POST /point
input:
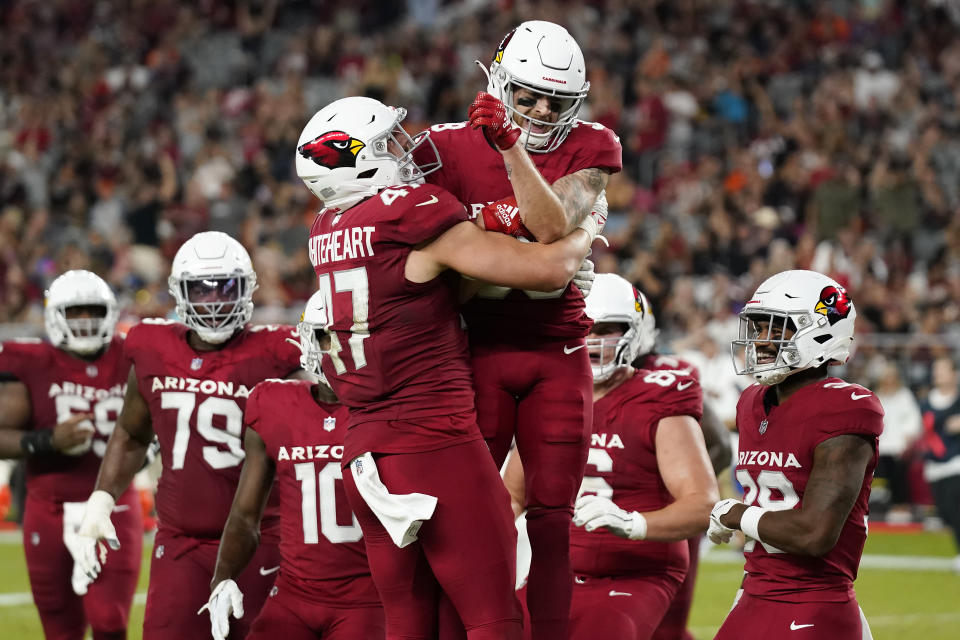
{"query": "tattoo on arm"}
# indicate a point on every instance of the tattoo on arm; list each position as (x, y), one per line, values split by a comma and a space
(579, 190)
(509, 169)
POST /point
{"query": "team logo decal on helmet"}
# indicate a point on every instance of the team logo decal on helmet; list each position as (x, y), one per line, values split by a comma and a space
(834, 303)
(498, 56)
(638, 301)
(332, 149)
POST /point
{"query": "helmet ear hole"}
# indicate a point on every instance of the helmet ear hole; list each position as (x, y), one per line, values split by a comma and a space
(369, 173)
(823, 338)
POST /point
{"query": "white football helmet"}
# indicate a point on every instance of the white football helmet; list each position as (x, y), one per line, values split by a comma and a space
(614, 300)
(80, 335)
(313, 332)
(817, 311)
(344, 154)
(542, 57)
(213, 281)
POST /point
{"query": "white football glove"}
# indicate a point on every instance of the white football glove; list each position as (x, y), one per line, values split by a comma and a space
(592, 512)
(584, 277)
(717, 532)
(226, 600)
(72, 515)
(95, 529)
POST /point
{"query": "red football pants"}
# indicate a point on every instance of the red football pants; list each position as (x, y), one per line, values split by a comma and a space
(674, 623)
(288, 616)
(180, 575)
(622, 607)
(467, 549)
(106, 606)
(542, 395)
(756, 618)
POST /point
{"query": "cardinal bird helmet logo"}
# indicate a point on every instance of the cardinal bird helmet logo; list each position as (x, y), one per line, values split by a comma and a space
(834, 303)
(333, 149)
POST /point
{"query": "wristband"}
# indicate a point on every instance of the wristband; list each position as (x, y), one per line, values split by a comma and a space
(639, 529)
(750, 521)
(37, 442)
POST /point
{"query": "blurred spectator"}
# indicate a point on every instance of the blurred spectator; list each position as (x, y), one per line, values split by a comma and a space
(890, 495)
(941, 421)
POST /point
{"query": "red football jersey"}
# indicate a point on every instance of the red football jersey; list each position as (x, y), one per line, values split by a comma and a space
(321, 550)
(196, 404)
(61, 385)
(622, 466)
(474, 173)
(660, 362)
(773, 465)
(398, 351)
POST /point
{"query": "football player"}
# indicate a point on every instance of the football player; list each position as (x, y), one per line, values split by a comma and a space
(395, 354)
(649, 484)
(808, 449)
(323, 588)
(59, 401)
(717, 439)
(189, 384)
(532, 373)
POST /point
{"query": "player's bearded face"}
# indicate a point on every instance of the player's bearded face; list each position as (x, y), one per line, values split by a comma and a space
(215, 298)
(537, 106)
(602, 342)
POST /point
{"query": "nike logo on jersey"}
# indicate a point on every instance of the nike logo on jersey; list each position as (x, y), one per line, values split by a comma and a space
(683, 385)
(619, 593)
(265, 572)
(794, 626)
(433, 199)
(859, 396)
(569, 350)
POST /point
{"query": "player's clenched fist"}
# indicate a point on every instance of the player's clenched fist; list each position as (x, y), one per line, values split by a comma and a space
(504, 216)
(492, 116)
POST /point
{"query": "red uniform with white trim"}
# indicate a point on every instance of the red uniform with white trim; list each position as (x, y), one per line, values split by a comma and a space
(623, 587)
(399, 361)
(196, 402)
(61, 384)
(323, 588)
(774, 461)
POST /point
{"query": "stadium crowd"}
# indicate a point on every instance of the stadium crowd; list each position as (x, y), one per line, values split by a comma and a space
(758, 136)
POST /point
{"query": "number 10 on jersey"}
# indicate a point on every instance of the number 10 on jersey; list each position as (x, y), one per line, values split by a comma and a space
(355, 282)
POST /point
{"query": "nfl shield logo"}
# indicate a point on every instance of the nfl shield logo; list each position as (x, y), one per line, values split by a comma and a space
(329, 423)
(92, 370)
(196, 363)
(763, 426)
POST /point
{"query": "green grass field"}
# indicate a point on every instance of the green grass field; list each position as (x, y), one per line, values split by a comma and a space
(899, 603)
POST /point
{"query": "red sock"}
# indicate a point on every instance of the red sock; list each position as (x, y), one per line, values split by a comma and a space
(550, 583)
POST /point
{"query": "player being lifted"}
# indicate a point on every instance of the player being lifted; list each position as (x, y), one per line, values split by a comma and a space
(531, 371)
(189, 384)
(649, 484)
(808, 448)
(396, 355)
(58, 404)
(294, 440)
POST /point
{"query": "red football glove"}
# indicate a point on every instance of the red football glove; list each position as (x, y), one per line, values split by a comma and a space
(504, 216)
(488, 113)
